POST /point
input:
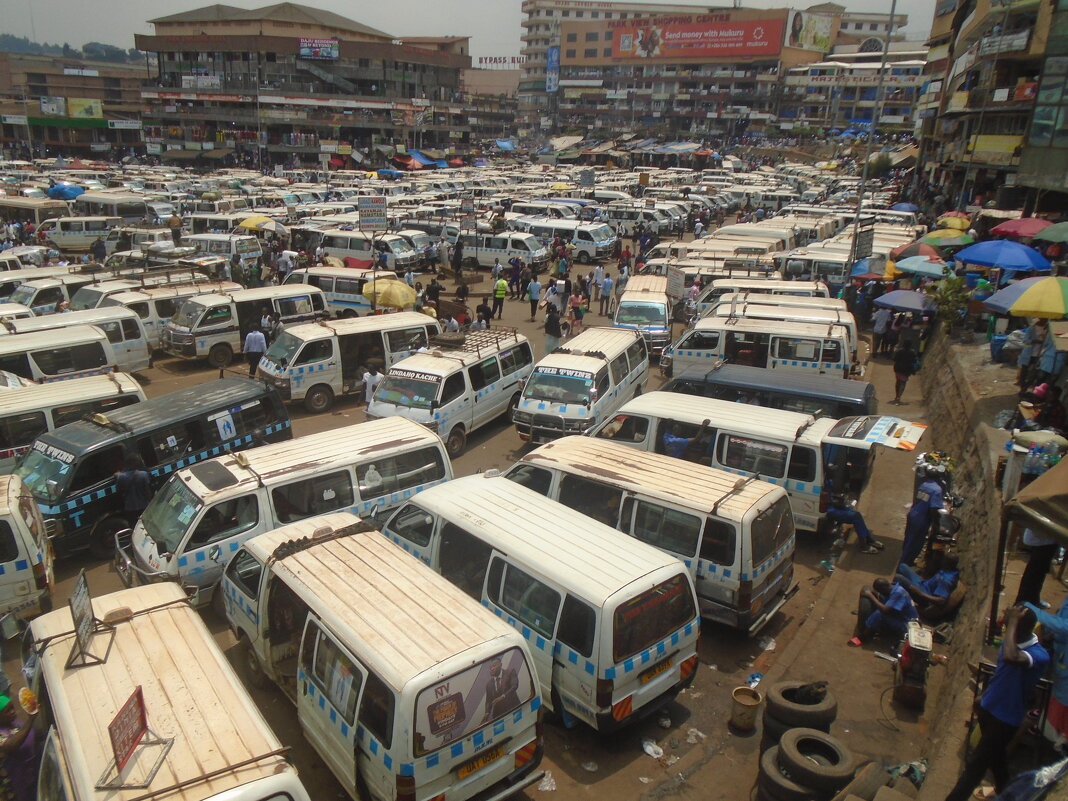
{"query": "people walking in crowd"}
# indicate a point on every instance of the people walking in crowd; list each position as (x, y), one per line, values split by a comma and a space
(254, 348)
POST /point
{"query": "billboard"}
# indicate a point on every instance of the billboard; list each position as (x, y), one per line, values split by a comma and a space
(54, 105)
(807, 31)
(648, 39)
(85, 108)
(319, 49)
(552, 69)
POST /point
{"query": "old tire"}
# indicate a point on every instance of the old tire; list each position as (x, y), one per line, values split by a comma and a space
(775, 784)
(102, 540)
(220, 355)
(815, 759)
(513, 404)
(783, 707)
(455, 442)
(319, 399)
(253, 669)
(583, 257)
(773, 729)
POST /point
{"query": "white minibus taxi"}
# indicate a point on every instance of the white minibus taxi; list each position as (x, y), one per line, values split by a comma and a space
(709, 295)
(152, 655)
(318, 362)
(612, 623)
(483, 249)
(156, 305)
(26, 576)
(735, 535)
(76, 233)
(756, 309)
(811, 459)
(56, 354)
(405, 687)
(27, 412)
(203, 514)
(458, 386)
(123, 328)
(579, 383)
(592, 241)
(400, 255)
(343, 287)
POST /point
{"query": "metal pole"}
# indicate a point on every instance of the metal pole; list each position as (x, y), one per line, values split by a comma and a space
(871, 133)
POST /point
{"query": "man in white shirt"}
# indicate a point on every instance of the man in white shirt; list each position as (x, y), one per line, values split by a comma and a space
(254, 348)
(371, 379)
(598, 279)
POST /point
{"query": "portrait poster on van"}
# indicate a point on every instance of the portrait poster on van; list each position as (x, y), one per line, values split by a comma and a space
(463, 703)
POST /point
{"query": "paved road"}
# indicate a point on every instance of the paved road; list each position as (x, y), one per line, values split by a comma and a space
(579, 759)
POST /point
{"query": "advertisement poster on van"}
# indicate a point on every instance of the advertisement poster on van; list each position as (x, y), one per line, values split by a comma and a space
(453, 708)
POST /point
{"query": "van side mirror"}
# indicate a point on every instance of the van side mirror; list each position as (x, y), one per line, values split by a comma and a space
(53, 489)
(214, 553)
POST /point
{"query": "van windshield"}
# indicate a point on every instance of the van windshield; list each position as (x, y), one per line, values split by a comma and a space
(771, 530)
(23, 294)
(86, 298)
(406, 388)
(45, 470)
(640, 314)
(169, 513)
(188, 315)
(559, 385)
(650, 617)
(283, 349)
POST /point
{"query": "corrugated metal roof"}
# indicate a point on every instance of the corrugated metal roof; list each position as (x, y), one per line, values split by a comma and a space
(280, 12)
(351, 325)
(41, 396)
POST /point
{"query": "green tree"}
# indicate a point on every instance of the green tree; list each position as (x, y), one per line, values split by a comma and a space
(951, 296)
(880, 165)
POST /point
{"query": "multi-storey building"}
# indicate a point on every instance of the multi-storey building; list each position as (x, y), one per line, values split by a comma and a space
(490, 100)
(68, 105)
(299, 82)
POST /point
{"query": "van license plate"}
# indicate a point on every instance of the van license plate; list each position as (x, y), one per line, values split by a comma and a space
(655, 671)
(478, 763)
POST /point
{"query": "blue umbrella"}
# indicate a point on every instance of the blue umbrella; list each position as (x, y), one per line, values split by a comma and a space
(905, 300)
(1005, 254)
(846, 135)
(862, 267)
(922, 265)
(64, 191)
(905, 207)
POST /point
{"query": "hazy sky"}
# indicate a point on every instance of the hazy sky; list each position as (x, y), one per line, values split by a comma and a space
(493, 25)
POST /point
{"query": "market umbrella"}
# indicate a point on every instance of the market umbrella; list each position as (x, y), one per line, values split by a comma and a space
(922, 265)
(1058, 232)
(915, 249)
(905, 300)
(905, 207)
(254, 222)
(333, 261)
(1024, 227)
(1003, 253)
(389, 292)
(861, 268)
(954, 223)
(273, 226)
(959, 214)
(1032, 297)
(868, 276)
(947, 238)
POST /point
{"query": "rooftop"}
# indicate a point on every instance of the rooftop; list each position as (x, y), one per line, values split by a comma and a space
(279, 12)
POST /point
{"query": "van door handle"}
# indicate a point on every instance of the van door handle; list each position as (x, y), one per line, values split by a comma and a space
(331, 364)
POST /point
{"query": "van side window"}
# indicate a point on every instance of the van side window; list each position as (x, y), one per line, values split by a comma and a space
(17, 363)
(140, 309)
(719, 542)
(484, 373)
(112, 330)
(165, 308)
(752, 456)
(700, 340)
(168, 444)
(625, 428)
(98, 467)
(324, 282)
(663, 528)
(802, 464)
(516, 358)
(413, 524)
(216, 315)
(805, 350)
(336, 676)
(70, 359)
(225, 519)
(9, 547)
(454, 388)
(312, 496)
(619, 368)
(245, 570)
(406, 339)
(346, 286)
(602, 383)
(252, 417)
(22, 429)
(531, 601)
(832, 351)
(390, 474)
(531, 477)
(599, 501)
(462, 559)
(289, 307)
(578, 624)
(130, 330)
(376, 709)
(315, 351)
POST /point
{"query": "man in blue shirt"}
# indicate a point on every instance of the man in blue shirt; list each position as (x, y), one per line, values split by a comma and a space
(675, 444)
(926, 504)
(1056, 626)
(1005, 702)
(883, 607)
(931, 593)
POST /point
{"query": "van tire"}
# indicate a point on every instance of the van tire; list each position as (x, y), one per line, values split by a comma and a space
(348, 314)
(782, 707)
(583, 257)
(774, 783)
(319, 399)
(513, 404)
(455, 442)
(218, 601)
(816, 760)
(253, 669)
(102, 540)
(469, 263)
(220, 355)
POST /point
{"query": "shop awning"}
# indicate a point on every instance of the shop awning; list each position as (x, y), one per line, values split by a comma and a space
(386, 150)
(219, 153)
(1043, 504)
(178, 155)
(420, 158)
(407, 162)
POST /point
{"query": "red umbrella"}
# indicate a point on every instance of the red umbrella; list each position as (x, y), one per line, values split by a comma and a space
(915, 249)
(1023, 227)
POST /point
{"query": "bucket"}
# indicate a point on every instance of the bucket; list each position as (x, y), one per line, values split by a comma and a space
(997, 343)
(744, 709)
(971, 279)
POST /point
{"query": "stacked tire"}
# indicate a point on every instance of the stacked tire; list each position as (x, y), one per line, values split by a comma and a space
(785, 710)
(806, 765)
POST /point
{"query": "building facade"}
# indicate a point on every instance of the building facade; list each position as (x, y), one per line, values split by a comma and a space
(293, 83)
(69, 106)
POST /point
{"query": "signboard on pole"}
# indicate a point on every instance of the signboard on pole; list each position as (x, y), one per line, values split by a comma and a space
(467, 205)
(128, 728)
(865, 238)
(586, 178)
(372, 211)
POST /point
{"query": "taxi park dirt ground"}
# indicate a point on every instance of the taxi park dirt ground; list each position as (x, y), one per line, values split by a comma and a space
(701, 757)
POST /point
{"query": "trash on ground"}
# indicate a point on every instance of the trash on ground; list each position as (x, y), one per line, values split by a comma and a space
(693, 735)
(547, 783)
(591, 767)
(671, 760)
(754, 679)
(652, 749)
(664, 722)
(644, 779)
(766, 643)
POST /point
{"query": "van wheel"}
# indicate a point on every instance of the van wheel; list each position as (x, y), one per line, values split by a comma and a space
(220, 355)
(253, 669)
(583, 257)
(218, 601)
(455, 442)
(513, 404)
(637, 391)
(102, 541)
(470, 263)
(348, 314)
(319, 399)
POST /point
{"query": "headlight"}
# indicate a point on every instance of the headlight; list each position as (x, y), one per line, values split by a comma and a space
(522, 417)
(431, 424)
(665, 360)
(579, 425)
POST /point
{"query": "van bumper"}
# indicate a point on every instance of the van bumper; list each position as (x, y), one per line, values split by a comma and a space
(516, 783)
(541, 428)
(607, 723)
(769, 612)
(130, 573)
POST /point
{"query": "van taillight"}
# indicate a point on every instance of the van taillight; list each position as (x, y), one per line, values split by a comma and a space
(40, 576)
(745, 594)
(405, 788)
(688, 667)
(825, 501)
(604, 692)
(525, 754)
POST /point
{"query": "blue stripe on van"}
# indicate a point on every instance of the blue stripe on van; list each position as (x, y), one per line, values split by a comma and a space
(539, 642)
(638, 661)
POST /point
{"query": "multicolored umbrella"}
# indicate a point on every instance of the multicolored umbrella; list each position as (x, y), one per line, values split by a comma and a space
(1023, 227)
(1033, 297)
(947, 238)
(922, 265)
(954, 223)
(905, 300)
(1058, 232)
(1003, 253)
(915, 249)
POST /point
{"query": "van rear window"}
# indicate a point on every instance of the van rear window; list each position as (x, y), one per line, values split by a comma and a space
(652, 616)
(771, 529)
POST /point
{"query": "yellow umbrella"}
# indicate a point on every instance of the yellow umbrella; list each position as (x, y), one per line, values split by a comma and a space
(957, 223)
(333, 261)
(561, 187)
(389, 292)
(254, 222)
